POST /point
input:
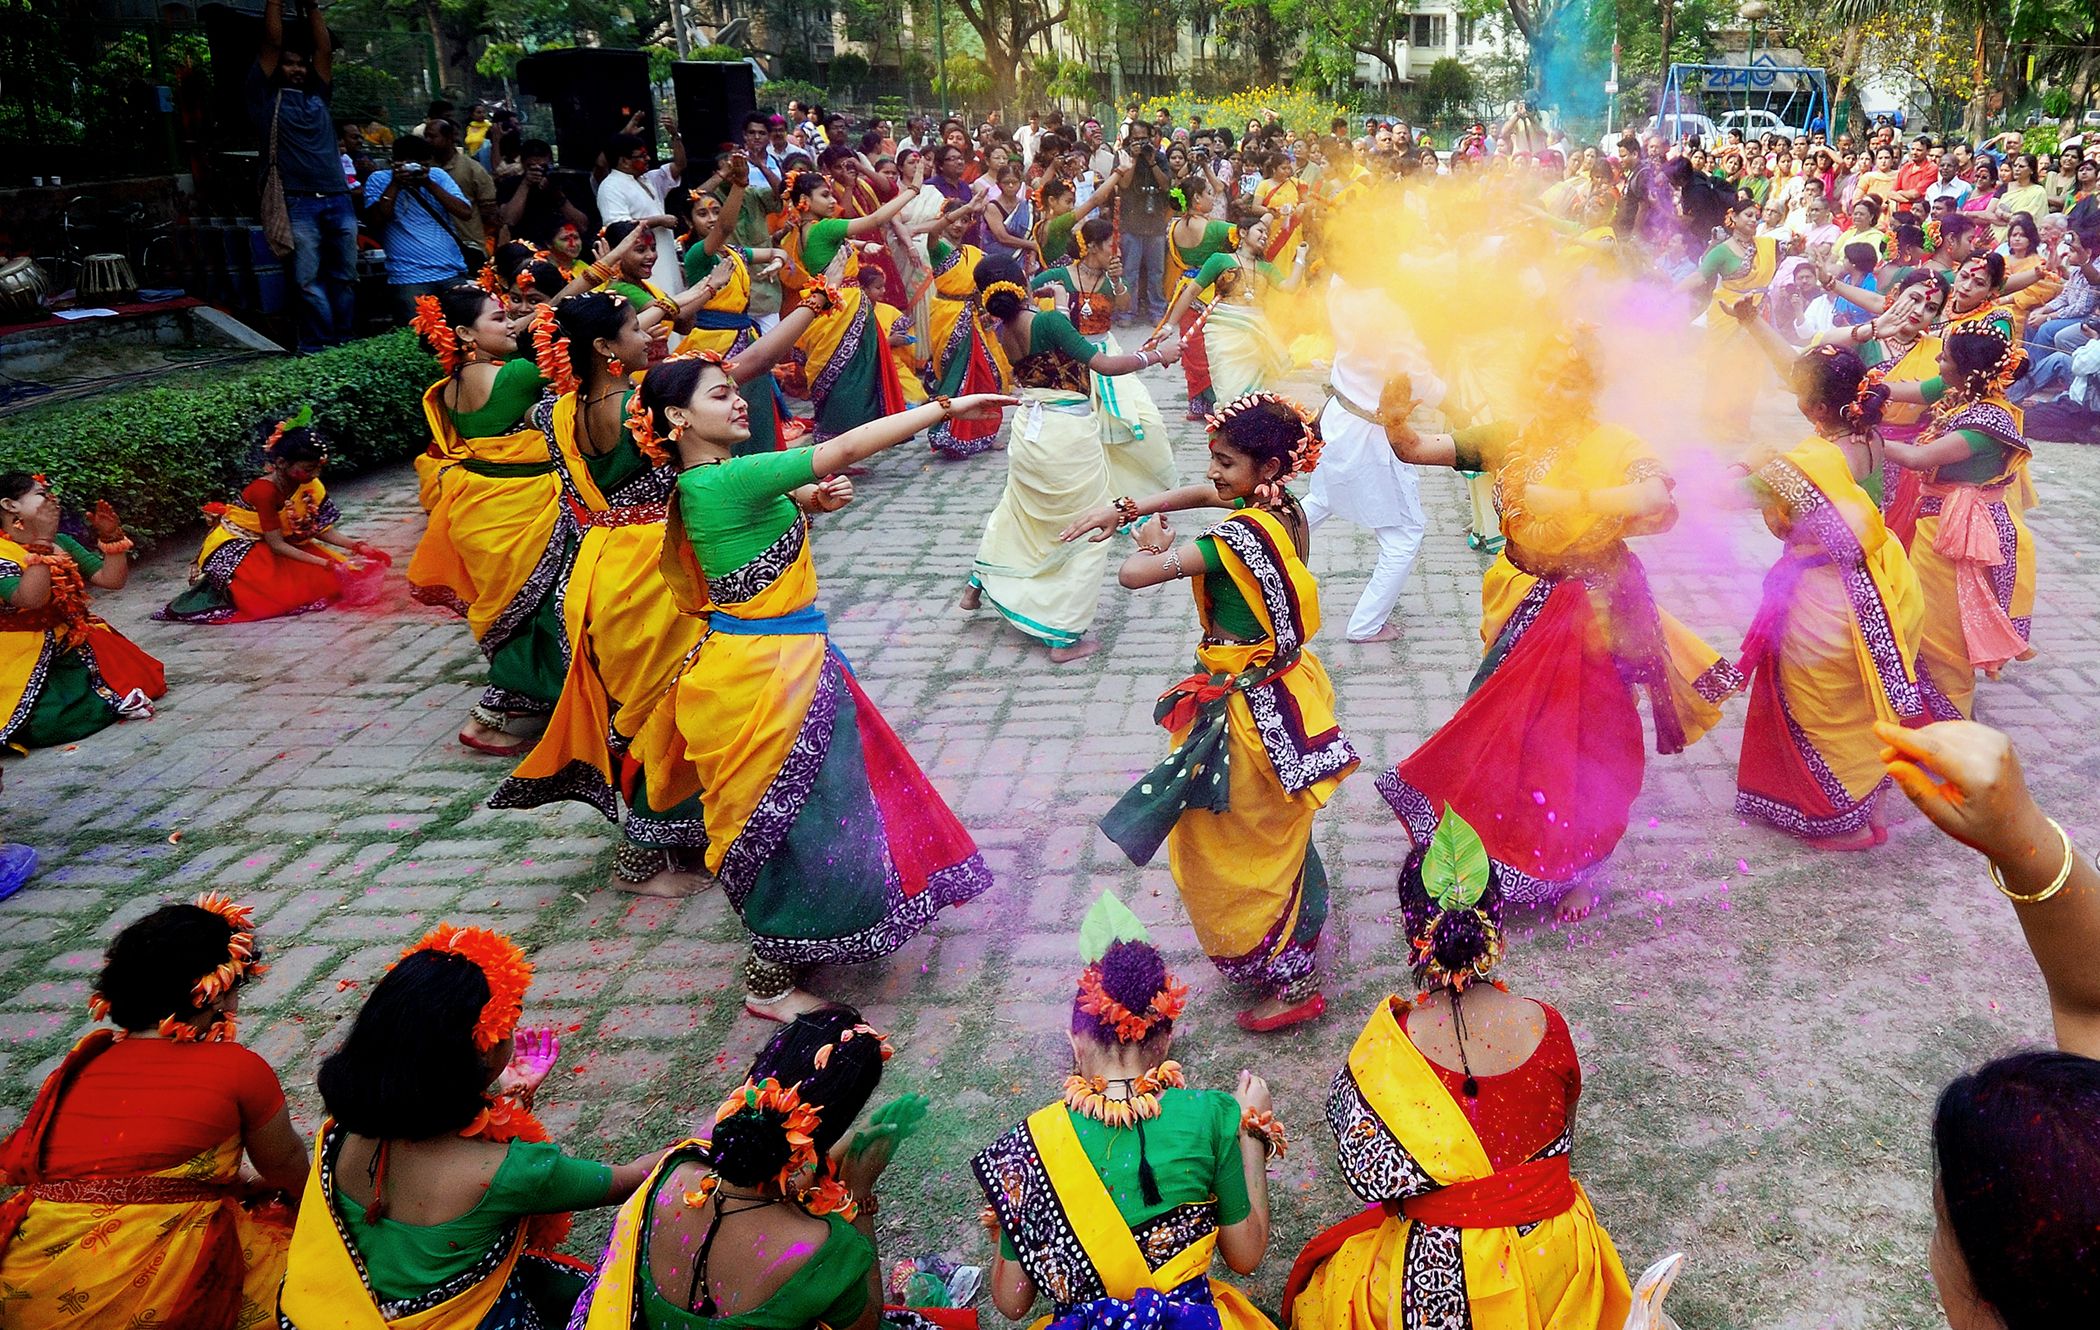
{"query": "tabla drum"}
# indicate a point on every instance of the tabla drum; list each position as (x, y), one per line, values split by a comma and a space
(23, 287)
(105, 279)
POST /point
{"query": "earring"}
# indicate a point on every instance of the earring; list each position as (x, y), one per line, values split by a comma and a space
(678, 432)
(615, 368)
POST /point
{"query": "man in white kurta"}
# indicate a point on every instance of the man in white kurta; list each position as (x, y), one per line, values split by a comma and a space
(632, 192)
(1359, 479)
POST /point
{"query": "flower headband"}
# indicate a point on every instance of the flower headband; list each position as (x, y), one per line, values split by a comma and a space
(487, 279)
(241, 965)
(1130, 1026)
(1305, 453)
(303, 418)
(550, 351)
(1018, 291)
(501, 962)
(641, 421)
(2010, 359)
(798, 1121)
(429, 322)
(787, 188)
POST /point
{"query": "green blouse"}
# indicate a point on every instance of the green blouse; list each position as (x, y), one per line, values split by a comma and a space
(733, 510)
(820, 244)
(1193, 1147)
(518, 386)
(1218, 238)
(1229, 612)
(621, 463)
(404, 1261)
(830, 1288)
(699, 263)
(1986, 457)
(90, 563)
(1057, 239)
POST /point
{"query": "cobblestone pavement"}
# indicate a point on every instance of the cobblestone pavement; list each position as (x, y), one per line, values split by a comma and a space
(1762, 1029)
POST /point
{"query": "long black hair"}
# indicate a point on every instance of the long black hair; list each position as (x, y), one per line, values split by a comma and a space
(2019, 1176)
(152, 965)
(409, 1070)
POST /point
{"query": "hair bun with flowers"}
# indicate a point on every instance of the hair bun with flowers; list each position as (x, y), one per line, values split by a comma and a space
(550, 351)
(488, 279)
(1110, 923)
(501, 962)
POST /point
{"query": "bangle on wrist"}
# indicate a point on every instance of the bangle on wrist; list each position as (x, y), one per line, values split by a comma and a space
(1264, 1127)
(2063, 874)
(121, 545)
(946, 404)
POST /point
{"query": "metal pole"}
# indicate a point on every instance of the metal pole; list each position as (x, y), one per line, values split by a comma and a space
(678, 28)
(940, 52)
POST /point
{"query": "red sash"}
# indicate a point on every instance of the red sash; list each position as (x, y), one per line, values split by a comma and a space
(1522, 1194)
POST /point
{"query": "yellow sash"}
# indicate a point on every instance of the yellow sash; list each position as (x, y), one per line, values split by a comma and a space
(1109, 1245)
(1405, 1092)
(1307, 684)
(324, 1287)
(613, 1300)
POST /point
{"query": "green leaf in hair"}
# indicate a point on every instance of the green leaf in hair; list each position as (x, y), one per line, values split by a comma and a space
(304, 418)
(1107, 923)
(1455, 867)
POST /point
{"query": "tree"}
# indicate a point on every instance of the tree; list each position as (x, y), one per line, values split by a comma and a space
(1007, 27)
(1368, 27)
(1447, 88)
(849, 70)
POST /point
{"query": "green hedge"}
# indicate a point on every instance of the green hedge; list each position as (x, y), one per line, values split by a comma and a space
(161, 453)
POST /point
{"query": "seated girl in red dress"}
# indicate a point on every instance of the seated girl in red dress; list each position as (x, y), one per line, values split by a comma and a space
(272, 551)
(134, 1208)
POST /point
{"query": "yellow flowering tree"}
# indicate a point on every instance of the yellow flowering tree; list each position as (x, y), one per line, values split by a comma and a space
(1296, 108)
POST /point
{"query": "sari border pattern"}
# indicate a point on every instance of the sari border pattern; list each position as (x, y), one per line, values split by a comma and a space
(39, 675)
(504, 699)
(1433, 1289)
(578, 781)
(1416, 813)
(1277, 962)
(1374, 1163)
(785, 796)
(903, 918)
(743, 583)
(1014, 1181)
(821, 388)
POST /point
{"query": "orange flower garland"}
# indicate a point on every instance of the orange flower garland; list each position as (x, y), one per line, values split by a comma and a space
(798, 1120)
(1130, 1026)
(641, 428)
(67, 611)
(429, 323)
(1088, 1095)
(501, 963)
(550, 351)
(239, 966)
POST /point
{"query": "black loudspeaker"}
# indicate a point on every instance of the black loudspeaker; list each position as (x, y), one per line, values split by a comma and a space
(714, 96)
(593, 92)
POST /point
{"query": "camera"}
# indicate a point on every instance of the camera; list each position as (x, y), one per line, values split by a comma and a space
(411, 168)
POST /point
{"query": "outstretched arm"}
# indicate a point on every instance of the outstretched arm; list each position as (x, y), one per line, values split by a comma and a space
(858, 444)
(1101, 523)
(874, 221)
(769, 350)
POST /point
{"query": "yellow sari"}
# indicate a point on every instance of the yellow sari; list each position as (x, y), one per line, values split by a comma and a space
(1734, 365)
(493, 503)
(324, 1289)
(964, 355)
(1545, 755)
(1833, 650)
(1476, 1256)
(1075, 1245)
(1243, 856)
(627, 641)
(906, 357)
(851, 379)
(1975, 560)
(152, 1250)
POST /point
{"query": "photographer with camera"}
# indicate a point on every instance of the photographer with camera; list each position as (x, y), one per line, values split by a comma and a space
(409, 206)
(1146, 210)
(532, 206)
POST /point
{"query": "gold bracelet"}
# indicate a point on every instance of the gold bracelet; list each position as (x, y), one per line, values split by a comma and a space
(2063, 874)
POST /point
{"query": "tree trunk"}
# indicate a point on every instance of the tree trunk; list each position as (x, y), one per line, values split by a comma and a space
(1847, 112)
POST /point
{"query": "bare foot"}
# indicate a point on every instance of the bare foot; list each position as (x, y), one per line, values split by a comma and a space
(487, 739)
(672, 883)
(1863, 839)
(1080, 650)
(1577, 904)
(1389, 633)
(786, 1007)
(972, 597)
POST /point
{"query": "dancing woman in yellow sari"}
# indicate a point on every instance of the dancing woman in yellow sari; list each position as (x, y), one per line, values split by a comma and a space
(846, 361)
(724, 324)
(1193, 238)
(1834, 646)
(964, 356)
(626, 639)
(1974, 556)
(1453, 1120)
(1113, 1200)
(1241, 351)
(133, 1208)
(1257, 748)
(1740, 269)
(1544, 756)
(825, 836)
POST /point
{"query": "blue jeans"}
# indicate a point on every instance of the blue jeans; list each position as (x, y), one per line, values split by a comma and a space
(2051, 371)
(1145, 269)
(324, 267)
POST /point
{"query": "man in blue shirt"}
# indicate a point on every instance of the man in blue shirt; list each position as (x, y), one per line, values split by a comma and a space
(291, 86)
(409, 206)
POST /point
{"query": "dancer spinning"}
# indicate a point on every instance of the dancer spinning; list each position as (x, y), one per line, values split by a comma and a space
(1092, 292)
(1243, 355)
(1112, 1201)
(490, 551)
(1453, 1121)
(1544, 756)
(1056, 471)
(64, 673)
(1834, 646)
(824, 834)
(625, 639)
(963, 355)
(272, 551)
(1973, 554)
(852, 380)
(1257, 749)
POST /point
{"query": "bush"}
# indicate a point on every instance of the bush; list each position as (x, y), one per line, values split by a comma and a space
(1306, 112)
(159, 454)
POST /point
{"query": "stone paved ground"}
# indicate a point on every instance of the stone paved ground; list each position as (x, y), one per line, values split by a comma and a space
(1762, 1029)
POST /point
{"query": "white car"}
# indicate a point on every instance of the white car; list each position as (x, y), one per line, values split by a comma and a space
(1671, 127)
(1753, 123)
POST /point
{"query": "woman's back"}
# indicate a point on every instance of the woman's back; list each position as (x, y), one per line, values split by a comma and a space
(143, 1105)
(1519, 1054)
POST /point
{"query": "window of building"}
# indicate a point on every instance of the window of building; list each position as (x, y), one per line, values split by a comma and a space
(1468, 30)
(1428, 31)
